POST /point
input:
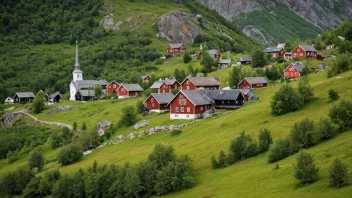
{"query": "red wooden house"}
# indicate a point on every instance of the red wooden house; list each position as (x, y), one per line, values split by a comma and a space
(304, 51)
(214, 53)
(189, 104)
(293, 70)
(193, 83)
(176, 48)
(146, 78)
(276, 52)
(112, 87)
(165, 86)
(129, 90)
(157, 102)
(252, 82)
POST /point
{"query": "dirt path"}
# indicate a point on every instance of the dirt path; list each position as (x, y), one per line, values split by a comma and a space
(46, 122)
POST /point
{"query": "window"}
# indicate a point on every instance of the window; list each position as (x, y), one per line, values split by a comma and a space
(187, 116)
(298, 50)
(294, 54)
(201, 108)
(187, 82)
(77, 75)
(114, 85)
(182, 109)
(300, 54)
(164, 91)
(122, 89)
(187, 87)
(152, 104)
(152, 99)
(188, 109)
(176, 109)
(182, 101)
(222, 102)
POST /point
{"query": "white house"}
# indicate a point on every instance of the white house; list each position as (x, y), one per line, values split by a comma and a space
(9, 100)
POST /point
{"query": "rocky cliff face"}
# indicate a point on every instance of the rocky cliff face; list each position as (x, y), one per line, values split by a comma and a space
(322, 14)
(179, 26)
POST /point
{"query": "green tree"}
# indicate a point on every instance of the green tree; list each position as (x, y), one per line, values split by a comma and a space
(325, 129)
(288, 46)
(305, 71)
(31, 189)
(258, 58)
(74, 126)
(162, 155)
(241, 148)
(207, 62)
(38, 102)
(128, 117)
(338, 173)
(36, 160)
(341, 114)
(180, 74)
(139, 106)
(342, 62)
(84, 126)
(98, 91)
(214, 162)
(279, 150)
(235, 77)
(305, 89)
(302, 134)
(285, 100)
(333, 95)
(265, 140)
(70, 154)
(305, 170)
(65, 187)
(187, 57)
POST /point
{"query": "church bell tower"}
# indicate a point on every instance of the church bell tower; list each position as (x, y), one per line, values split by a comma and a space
(77, 73)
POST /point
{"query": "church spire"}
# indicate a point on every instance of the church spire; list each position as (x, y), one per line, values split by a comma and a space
(77, 65)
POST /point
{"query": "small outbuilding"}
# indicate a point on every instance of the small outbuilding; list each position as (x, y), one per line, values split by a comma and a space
(223, 63)
(226, 99)
(129, 90)
(244, 60)
(9, 100)
(158, 102)
(54, 97)
(23, 97)
(253, 82)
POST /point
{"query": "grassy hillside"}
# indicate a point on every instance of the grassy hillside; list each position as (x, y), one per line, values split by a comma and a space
(201, 140)
(281, 23)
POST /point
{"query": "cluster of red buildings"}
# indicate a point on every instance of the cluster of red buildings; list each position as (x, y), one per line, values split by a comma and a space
(300, 51)
(123, 90)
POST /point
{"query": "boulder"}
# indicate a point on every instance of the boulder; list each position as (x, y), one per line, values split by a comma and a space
(141, 124)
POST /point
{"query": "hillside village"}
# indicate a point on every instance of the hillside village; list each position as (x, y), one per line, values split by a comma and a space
(173, 100)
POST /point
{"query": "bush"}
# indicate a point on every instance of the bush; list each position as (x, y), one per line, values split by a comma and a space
(84, 126)
(221, 162)
(38, 102)
(338, 173)
(341, 114)
(304, 169)
(241, 148)
(187, 57)
(302, 134)
(175, 132)
(128, 117)
(70, 154)
(265, 140)
(74, 126)
(159, 61)
(333, 95)
(285, 100)
(139, 106)
(14, 183)
(36, 160)
(12, 156)
(279, 150)
(305, 89)
(325, 129)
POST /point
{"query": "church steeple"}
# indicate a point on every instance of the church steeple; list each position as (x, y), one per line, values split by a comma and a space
(77, 65)
(77, 73)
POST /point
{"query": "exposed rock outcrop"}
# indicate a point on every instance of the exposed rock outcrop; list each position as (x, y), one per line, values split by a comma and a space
(260, 36)
(179, 26)
(108, 23)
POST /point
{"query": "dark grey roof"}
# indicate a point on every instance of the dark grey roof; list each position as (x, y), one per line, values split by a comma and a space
(156, 85)
(256, 80)
(25, 94)
(298, 65)
(289, 53)
(231, 94)
(225, 61)
(132, 87)
(163, 98)
(197, 97)
(144, 76)
(245, 59)
(212, 52)
(307, 48)
(204, 81)
(87, 92)
(274, 49)
(85, 84)
(176, 45)
(54, 95)
(170, 81)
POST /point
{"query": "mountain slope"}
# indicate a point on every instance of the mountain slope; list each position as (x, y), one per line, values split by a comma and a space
(321, 14)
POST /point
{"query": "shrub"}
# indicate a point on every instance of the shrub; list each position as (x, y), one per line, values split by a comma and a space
(338, 173)
(84, 126)
(279, 150)
(74, 126)
(304, 169)
(325, 129)
(159, 61)
(38, 102)
(302, 134)
(187, 57)
(241, 148)
(265, 140)
(139, 106)
(333, 95)
(214, 162)
(221, 162)
(128, 117)
(162, 155)
(36, 160)
(285, 100)
(12, 156)
(175, 132)
(341, 114)
(70, 154)
(305, 89)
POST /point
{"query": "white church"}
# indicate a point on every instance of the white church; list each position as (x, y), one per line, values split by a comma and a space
(83, 90)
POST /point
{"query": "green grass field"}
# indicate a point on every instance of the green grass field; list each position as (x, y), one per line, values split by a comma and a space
(253, 177)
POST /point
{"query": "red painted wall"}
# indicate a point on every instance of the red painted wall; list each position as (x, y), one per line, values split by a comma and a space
(291, 72)
(122, 91)
(298, 52)
(218, 55)
(176, 103)
(110, 88)
(246, 85)
(171, 50)
(188, 84)
(164, 88)
(152, 103)
(202, 109)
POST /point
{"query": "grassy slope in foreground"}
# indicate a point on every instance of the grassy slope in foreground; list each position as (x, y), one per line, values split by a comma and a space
(254, 176)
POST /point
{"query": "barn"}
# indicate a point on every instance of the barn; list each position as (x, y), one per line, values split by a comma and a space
(129, 90)
(189, 104)
(276, 52)
(54, 97)
(111, 87)
(223, 63)
(226, 99)
(252, 82)
(214, 53)
(206, 83)
(23, 97)
(293, 70)
(157, 102)
(244, 60)
(304, 51)
(176, 48)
